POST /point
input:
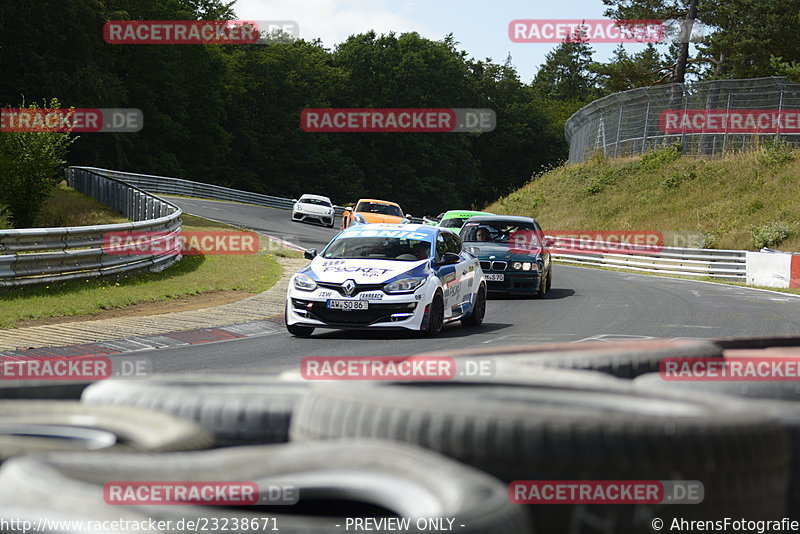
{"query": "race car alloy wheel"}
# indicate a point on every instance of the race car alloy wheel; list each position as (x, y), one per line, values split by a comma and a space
(478, 313)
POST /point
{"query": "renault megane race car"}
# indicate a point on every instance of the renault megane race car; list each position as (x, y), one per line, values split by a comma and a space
(410, 276)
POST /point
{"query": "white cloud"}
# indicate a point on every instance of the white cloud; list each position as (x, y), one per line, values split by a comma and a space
(334, 20)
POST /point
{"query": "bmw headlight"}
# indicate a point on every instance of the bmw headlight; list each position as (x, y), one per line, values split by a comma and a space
(406, 285)
(517, 265)
(304, 282)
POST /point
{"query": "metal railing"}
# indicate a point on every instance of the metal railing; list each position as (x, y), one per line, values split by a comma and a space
(44, 255)
(690, 262)
(175, 186)
(628, 123)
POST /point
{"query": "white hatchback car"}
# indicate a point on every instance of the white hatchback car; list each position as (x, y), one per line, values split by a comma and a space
(390, 276)
(314, 208)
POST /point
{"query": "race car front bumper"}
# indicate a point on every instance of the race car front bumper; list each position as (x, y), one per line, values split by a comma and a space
(390, 312)
(312, 217)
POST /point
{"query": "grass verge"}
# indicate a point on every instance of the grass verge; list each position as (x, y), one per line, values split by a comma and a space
(191, 276)
(742, 201)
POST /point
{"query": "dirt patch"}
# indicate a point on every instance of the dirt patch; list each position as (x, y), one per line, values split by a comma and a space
(187, 303)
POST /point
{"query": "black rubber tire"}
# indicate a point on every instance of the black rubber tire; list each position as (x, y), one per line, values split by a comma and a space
(235, 409)
(34, 426)
(546, 432)
(43, 389)
(436, 318)
(479, 311)
(348, 478)
(300, 331)
(550, 278)
(624, 359)
(542, 287)
(778, 404)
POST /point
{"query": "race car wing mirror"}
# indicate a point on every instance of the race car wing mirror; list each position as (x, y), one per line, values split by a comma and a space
(450, 258)
(310, 254)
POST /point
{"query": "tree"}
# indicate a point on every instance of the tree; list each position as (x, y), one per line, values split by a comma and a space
(626, 71)
(31, 164)
(565, 74)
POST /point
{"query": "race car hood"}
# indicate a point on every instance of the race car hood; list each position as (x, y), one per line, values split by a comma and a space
(313, 208)
(361, 271)
(379, 217)
(500, 251)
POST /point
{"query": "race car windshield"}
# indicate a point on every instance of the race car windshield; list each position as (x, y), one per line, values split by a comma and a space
(455, 222)
(377, 248)
(502, 232)
(316, 202)
(382, 209)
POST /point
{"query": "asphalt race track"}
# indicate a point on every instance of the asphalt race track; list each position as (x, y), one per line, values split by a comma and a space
(583, 304)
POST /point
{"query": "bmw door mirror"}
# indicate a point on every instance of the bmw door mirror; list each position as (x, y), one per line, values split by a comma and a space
(310, 254)
(549, 242)
(450, 258)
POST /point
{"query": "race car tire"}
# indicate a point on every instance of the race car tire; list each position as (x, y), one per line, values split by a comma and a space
(624, 359)
(235, 409)
(540, 294)
(300, 331)
(479, 311)
(39, 426)
(529, 431)
(436, 316)
(550, 278)
(333, 480)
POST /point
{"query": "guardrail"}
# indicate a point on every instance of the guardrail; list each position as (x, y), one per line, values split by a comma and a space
(42, 255)
(175, 186)
(691, 262)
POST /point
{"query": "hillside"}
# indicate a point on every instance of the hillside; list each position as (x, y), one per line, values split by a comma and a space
(742, 201)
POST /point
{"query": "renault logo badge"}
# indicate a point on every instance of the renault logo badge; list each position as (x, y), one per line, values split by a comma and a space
(348, 287)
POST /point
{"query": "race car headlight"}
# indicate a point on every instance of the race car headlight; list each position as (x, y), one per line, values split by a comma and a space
(304, 282)
(359, 219)
(406, 285)
(524, 266)
(517, 265)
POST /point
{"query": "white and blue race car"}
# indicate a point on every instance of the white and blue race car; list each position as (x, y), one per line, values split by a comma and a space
(408, 276)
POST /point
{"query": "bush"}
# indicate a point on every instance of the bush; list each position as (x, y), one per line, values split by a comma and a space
(772, 234)
(30, 166)
(775, 153)
(657, 157)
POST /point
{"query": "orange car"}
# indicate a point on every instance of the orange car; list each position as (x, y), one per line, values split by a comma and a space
(369, 210)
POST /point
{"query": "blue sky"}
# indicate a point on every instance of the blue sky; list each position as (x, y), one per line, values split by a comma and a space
(480, 26)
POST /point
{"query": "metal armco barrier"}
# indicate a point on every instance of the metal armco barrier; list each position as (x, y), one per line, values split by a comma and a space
(691, 262)
(43, 255)
(175, 186)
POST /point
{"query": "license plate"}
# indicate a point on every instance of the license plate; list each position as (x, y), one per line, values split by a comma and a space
(348, 305)
(495, 277)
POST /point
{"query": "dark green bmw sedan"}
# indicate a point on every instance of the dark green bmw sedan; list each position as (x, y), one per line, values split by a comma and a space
(513, 252)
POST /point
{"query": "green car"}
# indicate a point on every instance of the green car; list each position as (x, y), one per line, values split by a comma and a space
(455, 219)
